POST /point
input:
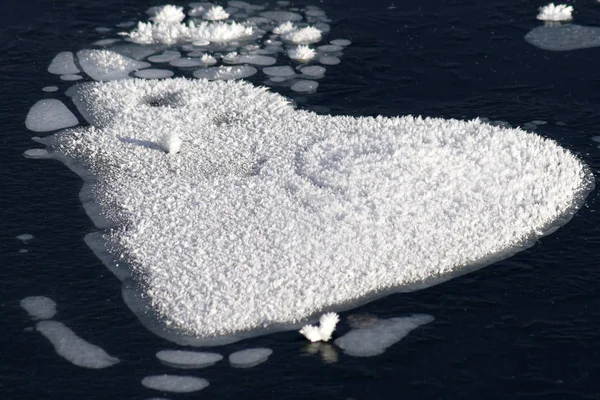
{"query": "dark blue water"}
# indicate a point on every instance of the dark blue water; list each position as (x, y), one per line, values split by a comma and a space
(524, 328)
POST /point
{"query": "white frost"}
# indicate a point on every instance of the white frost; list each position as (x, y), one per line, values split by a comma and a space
(168, 14)
(306, 35)
(551, 12)
(302, 53)
(216, 13)
(323, 332)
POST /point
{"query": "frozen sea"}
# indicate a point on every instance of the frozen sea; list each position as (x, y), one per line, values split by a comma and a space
(523, 328)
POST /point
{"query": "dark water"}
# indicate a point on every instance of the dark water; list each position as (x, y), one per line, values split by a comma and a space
(527, 327)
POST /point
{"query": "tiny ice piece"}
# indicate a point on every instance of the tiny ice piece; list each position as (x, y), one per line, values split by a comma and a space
(188, 359)
(225, 73)
(50, 89)
(282, 71)
(249, 358)
(71, 77)
(283, 28)
(329, 60)
(551, 12)
(323, 332)
(39, 307)
(174, 383)
(171, 143)
(152, 73)
(313, 70)
(73, 348)
(281, 16)
(24, 237)
(341, 42)
(49, 115)
(36, 153)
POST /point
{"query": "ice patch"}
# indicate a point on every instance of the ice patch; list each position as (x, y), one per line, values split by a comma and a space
(49, 115)
(50, 89)
(219, 231)
(165, 57)
(152, 73)
(71, 77)
(174, 383)
(305, 86)
(73, 348)
(25, 237)
(306, 35)
(39, 307)
(62, 64)
(253, 59)
(186, 62)
(105, 65)
(302, 53)
(341, 42)
(106, 42)
(216, 13)
(249, 358)
(313, 71)
(225, 73)
(283, 71)
(282, 16)
(36, 153)
(329, 48)
(188, 359)
(564, 37)
(383, 333)
(329, 60)
(168, 14)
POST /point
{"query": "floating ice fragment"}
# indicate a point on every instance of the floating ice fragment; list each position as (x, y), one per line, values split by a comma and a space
(283, 71)
(186, 62)
(49, 115)
(216, 13)
(305, 86)
(39, 307)
(383, 333)
(63, 63)
(73, 348)
(168, 14)
(564, 37)
(165, 57)
(323, 332)
(174, 383)
(106, 42)
(106, 65)
(36, 153)
(188, 359)
(341, 42)
(225, 73)
(25, 237)
(551, 12)
(152, 73)
(249, 358)
(252, 59)
(207, 59)
(313, 71)
(306, 35)
(69, 78)
(329, 60)
(329, 48)
(282, 16)
(50, 89)
(302, 53)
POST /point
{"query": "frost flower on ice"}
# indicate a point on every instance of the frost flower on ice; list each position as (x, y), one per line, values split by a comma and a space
(284, 28)
(552, 12)
(306, 35)
(302, 53)
(323, 332)
(216, 13)
(169, 15)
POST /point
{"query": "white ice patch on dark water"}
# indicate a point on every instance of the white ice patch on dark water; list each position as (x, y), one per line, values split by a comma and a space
(188, 359)
(71, 77)
(73, 348)
(152, 73)
(363, 205)
(63, 64)
(564, 37)
(106, 65)
(305, 86)
(174, 383)
(225, 73)
(375, 339)
(249, 358)
(39, 307)
(49, 115)
(25, 237)
(50, 89)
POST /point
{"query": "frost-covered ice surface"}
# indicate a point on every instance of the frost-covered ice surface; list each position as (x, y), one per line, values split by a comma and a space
(39, 307)
(564, 37)
(376, 338)
(63, 64)
(249, 358)
(175, 383)
(105, 65)
(188, 359)
(49, 115)
(73, 348)
(269, 215)
(552, 12)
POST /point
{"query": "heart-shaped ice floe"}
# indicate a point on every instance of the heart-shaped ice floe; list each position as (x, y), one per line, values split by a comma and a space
(268, 214)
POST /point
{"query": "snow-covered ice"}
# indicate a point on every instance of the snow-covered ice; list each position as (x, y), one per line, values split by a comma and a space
(270, 215)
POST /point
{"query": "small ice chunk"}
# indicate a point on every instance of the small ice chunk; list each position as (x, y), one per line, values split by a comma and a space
(201, 42)
(126, 24)
(253, 59)
(50, 89)
(188, 359)
(280, 71)
(36, 153)
(165, 57)
(249, 358)
(186, 62)
(281, 16)
(330, 48)
(305, 86)
(152, 73)
(174, 383)
(564, 37)
(306, 35)
(71, 77)
(25, 237)
(341, 42)
(103, 29)
(105, 65)
(106, 42)
(39, 307)
(73, 348)
(216, 13)
(596, 138)
(49, 115)
(302, 53)
(329, 60)
(63, 63)
(374, 340)
(225, 73)
(551, 12)
(313, 71)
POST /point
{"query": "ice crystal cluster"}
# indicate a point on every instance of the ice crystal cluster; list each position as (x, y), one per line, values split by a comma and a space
(556, 13)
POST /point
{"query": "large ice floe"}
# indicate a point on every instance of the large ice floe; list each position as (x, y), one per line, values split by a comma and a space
(268, 215)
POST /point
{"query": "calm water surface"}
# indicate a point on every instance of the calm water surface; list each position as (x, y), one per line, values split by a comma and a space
(526, 328)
